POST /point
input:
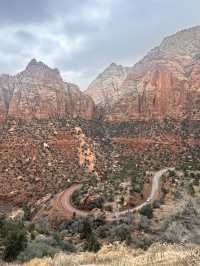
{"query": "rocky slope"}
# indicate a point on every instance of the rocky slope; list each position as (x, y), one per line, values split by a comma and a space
(165, 82)
(39, 92)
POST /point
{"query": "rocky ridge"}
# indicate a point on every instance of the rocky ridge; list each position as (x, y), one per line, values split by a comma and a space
(164, 83)
(39, 92)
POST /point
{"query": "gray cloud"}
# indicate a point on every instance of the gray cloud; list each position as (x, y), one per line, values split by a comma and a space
(23, 11)
(82, 37)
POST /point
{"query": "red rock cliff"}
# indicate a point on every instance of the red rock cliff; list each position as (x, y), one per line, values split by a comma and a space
(164, 83)
(39, 92)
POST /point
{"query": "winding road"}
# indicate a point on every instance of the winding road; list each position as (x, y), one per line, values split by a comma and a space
(65, 199)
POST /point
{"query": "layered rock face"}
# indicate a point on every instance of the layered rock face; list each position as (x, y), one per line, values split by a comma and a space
(106, 86)
(77, 103)
(39, 92)
(164, 83)
(7, 84)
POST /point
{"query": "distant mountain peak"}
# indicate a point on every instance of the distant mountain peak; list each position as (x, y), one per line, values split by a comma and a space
(39, 92)
(113, 65)
(32, 62)
(38, 71)
(37, 64)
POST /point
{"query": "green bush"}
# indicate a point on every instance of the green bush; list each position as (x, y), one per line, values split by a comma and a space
(103, 231)
(13, 239)
(64, 245)
(92, 243)
(36, 249)
(144, 223)
(143, 243)
(121, 233)
(86, 229)
(147, 211)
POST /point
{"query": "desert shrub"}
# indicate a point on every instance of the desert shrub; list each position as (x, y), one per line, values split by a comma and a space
(143, 243)
(64, 245)
(175, 232)
(86, 229)
(77, 196)
(144, 223)
(92, 243)
(14, 239)
(97, 203)
(36, 249)
(64, 233)
(137, 187)
(43, 226)
(67, 246)
(103, 231)
(147, 211)
(121, 233)
(172, 173)
(81, 225)
(74, 227)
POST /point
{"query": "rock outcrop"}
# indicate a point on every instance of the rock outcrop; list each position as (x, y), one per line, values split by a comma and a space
(164, 83)
(7, 84)
(39, 92)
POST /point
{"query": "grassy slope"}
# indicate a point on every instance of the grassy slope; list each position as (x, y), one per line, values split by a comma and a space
(118, 255)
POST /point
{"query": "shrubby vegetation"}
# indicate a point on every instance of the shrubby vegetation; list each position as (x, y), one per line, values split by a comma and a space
(147, 211)
(24, 242)
(13, 237)
(37, 249)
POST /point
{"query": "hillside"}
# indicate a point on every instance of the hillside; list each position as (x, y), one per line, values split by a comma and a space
(79, 174)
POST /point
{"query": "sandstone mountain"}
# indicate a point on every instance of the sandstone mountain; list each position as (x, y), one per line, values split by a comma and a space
(106, 86)
(78, 103)
(39, 92)
(165, 82)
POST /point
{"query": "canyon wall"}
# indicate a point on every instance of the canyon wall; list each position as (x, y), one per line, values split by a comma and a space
(164, 83)
(39, 92)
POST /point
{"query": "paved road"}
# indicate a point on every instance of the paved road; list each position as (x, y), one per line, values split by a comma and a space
(65, 198)
(154, 191)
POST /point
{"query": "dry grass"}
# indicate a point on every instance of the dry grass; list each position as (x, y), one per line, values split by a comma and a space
(118, 255)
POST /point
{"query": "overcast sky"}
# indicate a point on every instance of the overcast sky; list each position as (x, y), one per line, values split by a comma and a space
(82, 37)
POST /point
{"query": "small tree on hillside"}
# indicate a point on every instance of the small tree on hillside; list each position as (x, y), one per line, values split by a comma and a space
(147, 211)
(14, 239)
